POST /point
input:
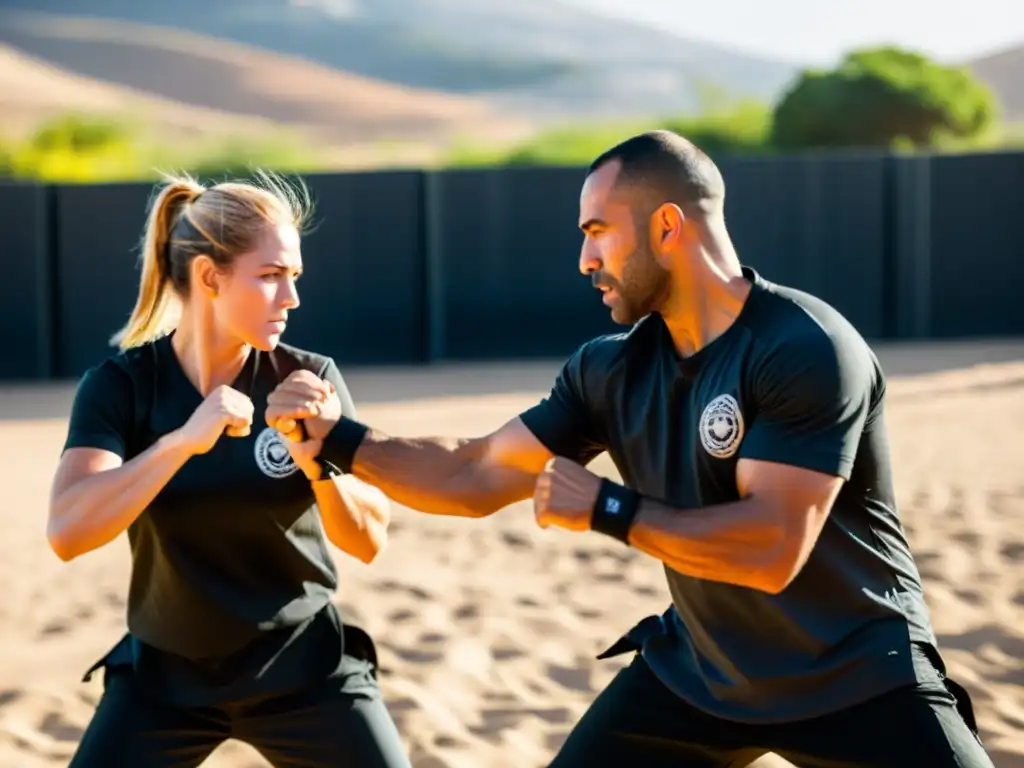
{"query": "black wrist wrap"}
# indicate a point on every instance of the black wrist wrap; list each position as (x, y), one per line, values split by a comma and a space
(615, 510)
(342, 442)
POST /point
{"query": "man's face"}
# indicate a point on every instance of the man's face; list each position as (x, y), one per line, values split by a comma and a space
(617, 251)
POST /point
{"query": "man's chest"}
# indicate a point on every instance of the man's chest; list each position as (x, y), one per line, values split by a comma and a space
(678, 438)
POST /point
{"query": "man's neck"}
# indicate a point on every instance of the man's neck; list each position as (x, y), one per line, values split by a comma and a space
(705, 305)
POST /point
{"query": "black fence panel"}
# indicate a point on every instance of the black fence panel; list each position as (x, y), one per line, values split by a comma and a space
(363, 296)
(815, 223)
(977, 245)
(25, 290)
(910, 256)
(503, 254)
(99, 230)
(406, 267)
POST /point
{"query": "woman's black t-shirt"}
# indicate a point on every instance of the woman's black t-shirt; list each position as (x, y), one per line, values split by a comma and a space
(231, 556)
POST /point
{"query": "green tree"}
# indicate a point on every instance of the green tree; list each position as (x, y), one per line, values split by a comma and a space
(883, 97)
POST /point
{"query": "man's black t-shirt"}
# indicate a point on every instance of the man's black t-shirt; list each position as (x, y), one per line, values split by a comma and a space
(230, 558)
(792, 382)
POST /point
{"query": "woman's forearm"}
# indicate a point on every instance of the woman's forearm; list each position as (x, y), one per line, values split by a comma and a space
(97, 509)
(355, 515)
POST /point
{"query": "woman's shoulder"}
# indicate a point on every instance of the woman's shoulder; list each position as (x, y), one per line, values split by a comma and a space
(124, 364)
(295, 358)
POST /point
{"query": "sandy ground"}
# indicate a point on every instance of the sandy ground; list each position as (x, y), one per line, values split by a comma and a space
(488, 629)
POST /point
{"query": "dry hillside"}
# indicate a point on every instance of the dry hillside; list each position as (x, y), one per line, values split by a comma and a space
(191, 85)
(1004, 73)
(33, 90)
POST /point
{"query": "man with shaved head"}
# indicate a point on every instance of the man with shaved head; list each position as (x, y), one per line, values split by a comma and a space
(747, 421)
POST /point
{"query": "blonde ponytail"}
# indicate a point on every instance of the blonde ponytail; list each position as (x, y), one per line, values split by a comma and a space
(157, 308)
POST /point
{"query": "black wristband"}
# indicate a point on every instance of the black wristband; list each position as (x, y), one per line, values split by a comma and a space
(342, 442)
(615, 510)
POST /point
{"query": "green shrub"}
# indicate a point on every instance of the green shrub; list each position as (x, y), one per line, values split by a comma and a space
(82, 149)
(886, 98)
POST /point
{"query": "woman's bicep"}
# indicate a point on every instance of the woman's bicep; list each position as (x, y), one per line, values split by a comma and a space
(78, 464)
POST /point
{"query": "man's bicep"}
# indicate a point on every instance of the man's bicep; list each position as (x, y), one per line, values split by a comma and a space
(787, 486)
(515, 447)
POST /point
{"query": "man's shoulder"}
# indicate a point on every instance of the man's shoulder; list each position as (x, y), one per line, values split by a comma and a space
(792, 319)
(799, 334)
(607, 350)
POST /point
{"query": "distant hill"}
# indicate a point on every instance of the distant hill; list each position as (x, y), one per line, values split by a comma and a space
(34, 90)
(538, 56)
(195, 84)
(1004, 73)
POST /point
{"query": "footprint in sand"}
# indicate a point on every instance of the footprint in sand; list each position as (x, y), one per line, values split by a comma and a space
(467, 611)
(516, 540)
(506, 652)
(645, 591)
(59, 627)
(572, 678)
(56, 727)
(497, 720)
(1013, 552)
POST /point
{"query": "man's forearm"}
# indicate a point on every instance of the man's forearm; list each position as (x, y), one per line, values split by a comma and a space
(737, 543)
(437, 475)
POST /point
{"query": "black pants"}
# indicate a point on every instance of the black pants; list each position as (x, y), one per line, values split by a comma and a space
(341, 723)
(637, 721)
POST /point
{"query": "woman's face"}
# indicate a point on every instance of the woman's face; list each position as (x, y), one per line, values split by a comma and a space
(256, 294)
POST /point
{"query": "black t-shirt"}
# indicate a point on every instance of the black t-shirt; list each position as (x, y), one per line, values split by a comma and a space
(791, 381)
(232, 552)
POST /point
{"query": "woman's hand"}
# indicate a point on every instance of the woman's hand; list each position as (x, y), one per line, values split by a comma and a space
(224, 411)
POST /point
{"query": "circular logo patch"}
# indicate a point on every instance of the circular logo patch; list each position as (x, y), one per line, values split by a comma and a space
(721, 427)
(272, 455)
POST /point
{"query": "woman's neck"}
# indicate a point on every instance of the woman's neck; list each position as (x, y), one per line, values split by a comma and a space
(207, 358)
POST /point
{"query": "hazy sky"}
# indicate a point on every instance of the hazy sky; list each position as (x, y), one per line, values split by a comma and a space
(819, 31)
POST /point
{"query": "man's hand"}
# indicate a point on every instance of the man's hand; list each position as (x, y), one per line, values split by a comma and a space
(303, 396)
(565, 494)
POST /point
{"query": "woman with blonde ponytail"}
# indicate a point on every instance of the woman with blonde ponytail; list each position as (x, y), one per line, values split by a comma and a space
(156, 309)
(232, 631)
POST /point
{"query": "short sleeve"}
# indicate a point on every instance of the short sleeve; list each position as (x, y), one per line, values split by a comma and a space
(101, 414)
(330, 373)
(811, 400)
(564, 422)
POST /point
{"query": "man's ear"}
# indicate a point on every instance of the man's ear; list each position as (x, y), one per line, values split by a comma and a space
(667, 229)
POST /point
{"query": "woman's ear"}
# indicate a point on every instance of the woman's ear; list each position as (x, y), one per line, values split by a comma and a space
(206, 278)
